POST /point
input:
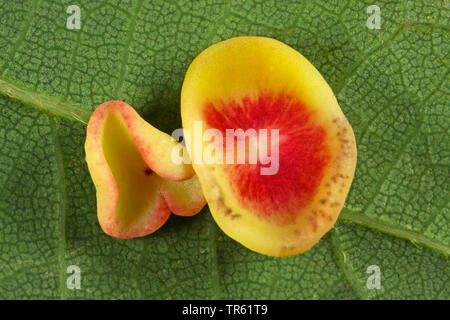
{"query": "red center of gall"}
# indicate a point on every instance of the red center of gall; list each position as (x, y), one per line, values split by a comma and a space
(302, 153)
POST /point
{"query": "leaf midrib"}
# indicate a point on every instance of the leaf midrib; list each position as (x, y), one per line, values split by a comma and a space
(51, 105)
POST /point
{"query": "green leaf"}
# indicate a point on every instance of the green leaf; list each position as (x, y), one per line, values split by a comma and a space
(393, 85)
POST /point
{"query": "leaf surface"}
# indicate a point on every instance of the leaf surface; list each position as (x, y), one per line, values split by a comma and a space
(392, 84)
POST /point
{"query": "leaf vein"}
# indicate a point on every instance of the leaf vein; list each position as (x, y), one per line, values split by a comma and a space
(126, 50)
(343, 262)
(393, 230)
(62, 207)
